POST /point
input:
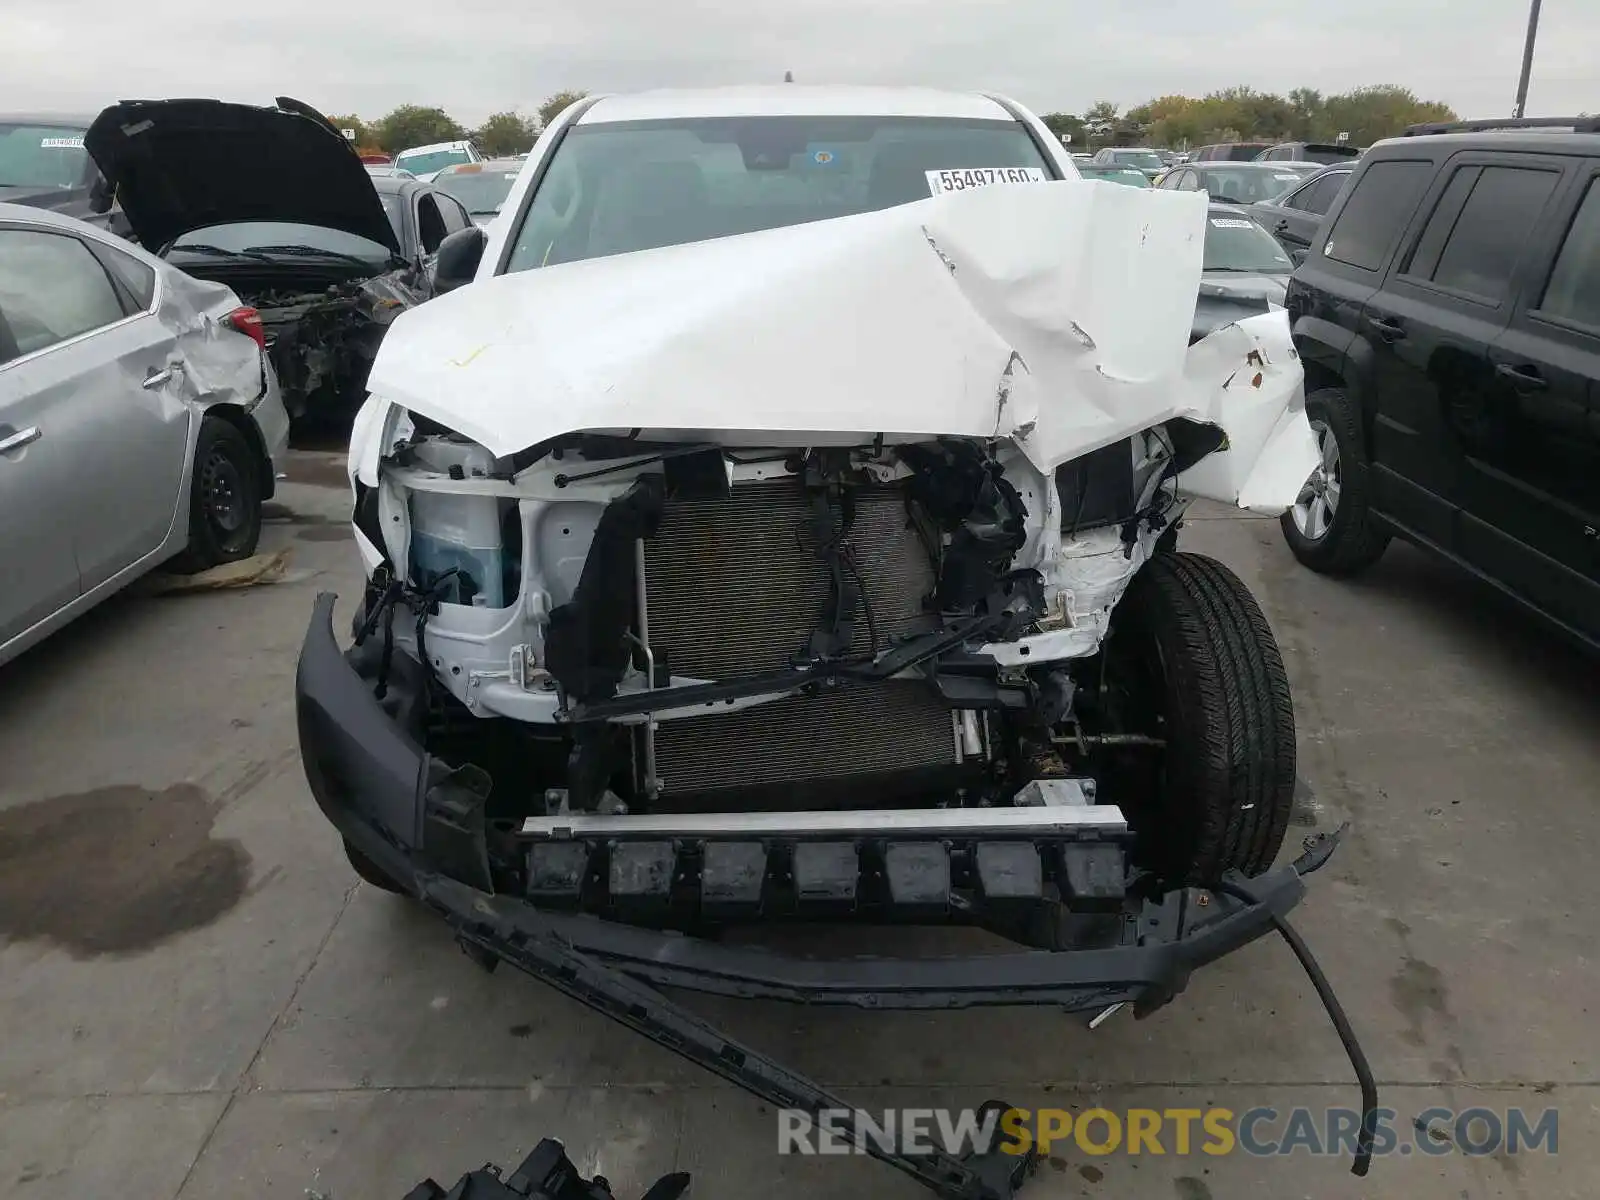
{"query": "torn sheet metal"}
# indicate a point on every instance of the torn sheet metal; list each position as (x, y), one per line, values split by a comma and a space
(1056, 315)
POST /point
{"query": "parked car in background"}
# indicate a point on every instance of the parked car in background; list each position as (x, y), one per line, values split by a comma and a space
(1137, 157)
(43, 164)
(140, 420)
(1236, 182)
(1244, 271)
(427, 161)
(421, 215)
(481, 187)
(1318, 152)
(1229, 151)
(274, 203)
(1448, 318)
(1294, 217)
(1113, 173)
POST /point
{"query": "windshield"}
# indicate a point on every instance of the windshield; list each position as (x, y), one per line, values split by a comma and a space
(252, 235)
(1241, 184)
(638, 185)
(1127, 175)
(480, 192)
(42, 156)
(1239, 244)
(1143, 159)
(433, 160)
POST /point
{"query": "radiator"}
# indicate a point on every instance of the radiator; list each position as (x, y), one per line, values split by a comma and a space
(735, 587)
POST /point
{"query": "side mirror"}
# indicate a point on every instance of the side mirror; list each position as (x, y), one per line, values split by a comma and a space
(1297, 256)
(457, 259)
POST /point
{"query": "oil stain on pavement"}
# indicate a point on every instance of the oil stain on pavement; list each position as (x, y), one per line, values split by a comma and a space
(116, 871)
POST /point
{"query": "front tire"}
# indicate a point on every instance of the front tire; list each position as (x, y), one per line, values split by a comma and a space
(1200, 652)
(1330, 528)
(224, 499)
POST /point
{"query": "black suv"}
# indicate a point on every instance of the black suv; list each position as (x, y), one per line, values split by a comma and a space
(1448, 317)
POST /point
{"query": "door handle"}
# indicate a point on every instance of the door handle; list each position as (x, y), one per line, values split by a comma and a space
(1523, 379)
(1283, 227)
(20, 438)
(1389, 331)
(156, 378)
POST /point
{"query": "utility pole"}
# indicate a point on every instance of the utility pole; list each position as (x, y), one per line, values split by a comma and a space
(1527, 60)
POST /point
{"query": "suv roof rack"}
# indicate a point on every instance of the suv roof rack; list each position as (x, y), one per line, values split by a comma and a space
(1488, 124)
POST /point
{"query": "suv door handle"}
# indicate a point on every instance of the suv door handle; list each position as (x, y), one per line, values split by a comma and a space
(17, 439)
(1523, 379)
(1388, 330)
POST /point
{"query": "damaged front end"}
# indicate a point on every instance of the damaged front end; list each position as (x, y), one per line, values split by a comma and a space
(618, 688)
(323, 342)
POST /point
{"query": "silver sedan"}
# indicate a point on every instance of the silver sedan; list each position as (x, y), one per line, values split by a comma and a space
(140, 421)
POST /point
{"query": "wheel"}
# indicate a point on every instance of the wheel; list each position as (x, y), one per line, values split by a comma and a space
(1329, 529)
(224, 499)
(371, 871)
(1192, 662)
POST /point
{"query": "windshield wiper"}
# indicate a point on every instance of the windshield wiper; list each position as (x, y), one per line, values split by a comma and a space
(1253, 270)
(215, 251)
(311, 252)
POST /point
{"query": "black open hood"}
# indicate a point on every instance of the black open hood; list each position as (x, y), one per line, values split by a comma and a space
(181, 165)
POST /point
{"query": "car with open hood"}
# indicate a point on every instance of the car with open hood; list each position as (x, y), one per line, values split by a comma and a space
(274, 202)
(776, 519)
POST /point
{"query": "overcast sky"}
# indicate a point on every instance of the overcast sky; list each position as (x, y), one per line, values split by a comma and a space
(474, 57)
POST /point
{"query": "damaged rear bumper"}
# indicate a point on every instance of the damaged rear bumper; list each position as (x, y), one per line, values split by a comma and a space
(393, 802)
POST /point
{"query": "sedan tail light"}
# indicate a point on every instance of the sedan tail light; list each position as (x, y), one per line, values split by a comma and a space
(248, 322)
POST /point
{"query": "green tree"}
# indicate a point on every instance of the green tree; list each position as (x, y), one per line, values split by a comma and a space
(1310, 114)
(363, 133)
(506, 133)
(1060, 123)
(1371, 113)
(415, 125)
(555, 105)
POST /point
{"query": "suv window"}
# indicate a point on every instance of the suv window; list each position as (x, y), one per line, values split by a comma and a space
(52, 288)
(1317, 196)
(1480, 247)
(1377, 212)
(1574, 290)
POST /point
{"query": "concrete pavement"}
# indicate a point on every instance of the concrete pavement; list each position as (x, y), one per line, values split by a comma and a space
(198, 1000)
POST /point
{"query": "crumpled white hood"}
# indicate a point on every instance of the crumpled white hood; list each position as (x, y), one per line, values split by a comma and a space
(1053, 314)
